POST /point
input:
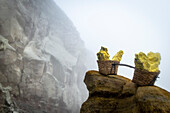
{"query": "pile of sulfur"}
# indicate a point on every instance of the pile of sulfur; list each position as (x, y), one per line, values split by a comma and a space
(149, 62)
(104, 55)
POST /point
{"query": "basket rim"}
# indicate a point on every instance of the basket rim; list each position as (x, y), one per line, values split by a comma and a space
(107, 61)
(145, 71)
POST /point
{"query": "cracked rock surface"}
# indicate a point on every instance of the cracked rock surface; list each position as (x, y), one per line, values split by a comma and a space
(47, 68)
(117, 94)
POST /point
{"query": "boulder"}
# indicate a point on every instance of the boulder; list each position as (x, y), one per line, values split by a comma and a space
(117, 94)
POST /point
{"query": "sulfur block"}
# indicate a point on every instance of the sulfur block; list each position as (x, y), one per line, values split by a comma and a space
(103, 54)
(149, 62)
(118, 56)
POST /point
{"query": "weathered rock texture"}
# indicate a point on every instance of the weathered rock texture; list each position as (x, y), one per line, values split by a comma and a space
(117, 94)
(47, 69)
(7, 105)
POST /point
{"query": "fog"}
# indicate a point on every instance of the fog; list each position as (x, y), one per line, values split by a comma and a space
(129, 25)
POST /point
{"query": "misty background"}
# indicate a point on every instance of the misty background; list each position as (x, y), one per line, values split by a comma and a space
(132, 26)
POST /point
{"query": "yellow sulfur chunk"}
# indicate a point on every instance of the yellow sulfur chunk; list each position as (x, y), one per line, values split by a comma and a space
(154, 57)
(118, 56)
(103, 54)
(142, 57)
(154, 67)
(146, 66)
(154, 61)
(150, 62)
(140, 61)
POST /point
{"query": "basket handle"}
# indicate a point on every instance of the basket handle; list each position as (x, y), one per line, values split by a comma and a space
(114, 64)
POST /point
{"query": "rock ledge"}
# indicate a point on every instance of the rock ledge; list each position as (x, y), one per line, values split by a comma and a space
(117, 94)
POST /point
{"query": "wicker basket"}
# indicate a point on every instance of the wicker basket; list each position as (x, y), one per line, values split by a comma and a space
(105, 67)
(144, 78)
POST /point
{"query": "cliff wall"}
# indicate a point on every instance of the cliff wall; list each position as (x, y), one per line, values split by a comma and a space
(49, 61)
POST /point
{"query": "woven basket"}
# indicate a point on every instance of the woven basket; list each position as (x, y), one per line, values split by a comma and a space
(105, 67)
(144, 78)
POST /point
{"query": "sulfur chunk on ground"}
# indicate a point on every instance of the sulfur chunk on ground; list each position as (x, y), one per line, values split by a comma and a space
(103, 54)
(118, 56)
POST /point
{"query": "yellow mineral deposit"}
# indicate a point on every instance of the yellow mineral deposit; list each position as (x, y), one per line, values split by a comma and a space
(154, 61)
(140, 60)
(118, 56)
(150, 62)
(103, 54)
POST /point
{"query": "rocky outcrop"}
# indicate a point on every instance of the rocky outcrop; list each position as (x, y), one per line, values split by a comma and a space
(46, 69)
(117, 94)
(7, 105)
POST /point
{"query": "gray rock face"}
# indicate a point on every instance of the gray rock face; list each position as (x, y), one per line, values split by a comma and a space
(47, 69)
(6, 103)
